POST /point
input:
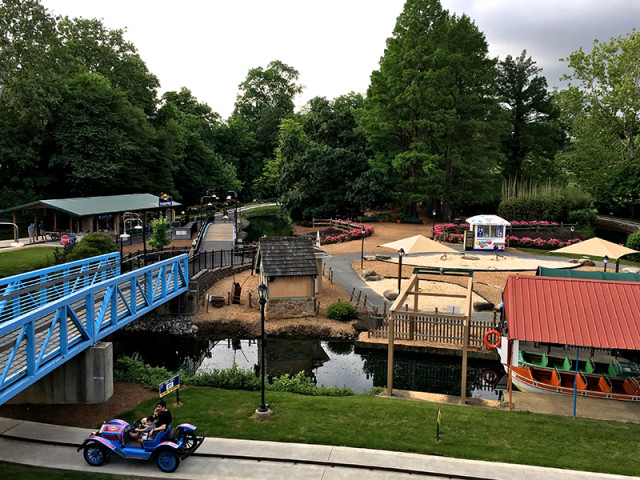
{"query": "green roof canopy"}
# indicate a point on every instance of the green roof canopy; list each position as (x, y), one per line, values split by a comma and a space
(588, 275)
(83, 206)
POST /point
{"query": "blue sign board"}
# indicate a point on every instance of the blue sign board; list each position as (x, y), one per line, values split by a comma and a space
(170, 385)
(165, 201)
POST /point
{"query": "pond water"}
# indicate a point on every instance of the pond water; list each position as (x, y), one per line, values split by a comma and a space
(270, 225)
(333, 364)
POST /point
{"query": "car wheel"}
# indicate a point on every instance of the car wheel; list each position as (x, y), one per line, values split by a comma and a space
(189, 441)
(167, 460)
(95, 454)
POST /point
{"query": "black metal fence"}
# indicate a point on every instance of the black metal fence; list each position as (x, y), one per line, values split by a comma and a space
(197, 262)
(221, 258)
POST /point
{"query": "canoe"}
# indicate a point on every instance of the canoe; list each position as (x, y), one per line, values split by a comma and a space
(556, 382)
(612, 369)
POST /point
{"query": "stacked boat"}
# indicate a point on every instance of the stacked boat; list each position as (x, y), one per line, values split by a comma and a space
(543, 373)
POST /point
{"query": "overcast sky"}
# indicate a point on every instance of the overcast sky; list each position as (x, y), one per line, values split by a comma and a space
(209, 46)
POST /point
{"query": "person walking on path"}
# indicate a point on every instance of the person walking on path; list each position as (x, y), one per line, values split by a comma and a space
(32, 232)
(41, 229)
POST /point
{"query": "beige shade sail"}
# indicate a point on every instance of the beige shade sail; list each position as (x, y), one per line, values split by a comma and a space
(597, 247)
(419, 244)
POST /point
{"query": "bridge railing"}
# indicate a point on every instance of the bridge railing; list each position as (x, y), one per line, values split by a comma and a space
(21, 294)
(221, 258)
(35, 343)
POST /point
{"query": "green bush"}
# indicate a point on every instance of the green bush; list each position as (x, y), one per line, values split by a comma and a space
(231, 379)
(633, 241)
(134, 370)
(303, 385)
(91, 245)
(341, 311)
(585, 218)
(545, 203)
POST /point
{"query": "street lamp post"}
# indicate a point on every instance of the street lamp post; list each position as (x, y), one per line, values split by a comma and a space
(605, 260)
(362, 231)
(433, 228)
(235, 216)
(262, 292)
(572, 230)
(400, 255)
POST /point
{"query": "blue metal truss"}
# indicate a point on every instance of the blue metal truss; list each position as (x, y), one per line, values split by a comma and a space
(45, 336)
(23, 293)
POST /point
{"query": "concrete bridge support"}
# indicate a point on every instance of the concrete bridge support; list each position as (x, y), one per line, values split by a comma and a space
(86, 378)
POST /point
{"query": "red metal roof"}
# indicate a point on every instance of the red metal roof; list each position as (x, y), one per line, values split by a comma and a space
(589, 313)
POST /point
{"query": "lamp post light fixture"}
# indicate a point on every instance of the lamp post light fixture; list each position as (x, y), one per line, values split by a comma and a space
(433, 228)
(400, 255)
(235, 216)
(573, 229)
(605, 260)
(262, 292)
(362, 231)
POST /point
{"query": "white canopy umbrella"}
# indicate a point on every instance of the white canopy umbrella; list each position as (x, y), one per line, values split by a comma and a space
(419, 244)
(597, 247)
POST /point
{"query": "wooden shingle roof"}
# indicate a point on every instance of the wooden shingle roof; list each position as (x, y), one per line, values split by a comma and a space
(287, 257)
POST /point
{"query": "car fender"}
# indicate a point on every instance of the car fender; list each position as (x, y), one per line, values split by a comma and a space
(187, 426)
(101, 440)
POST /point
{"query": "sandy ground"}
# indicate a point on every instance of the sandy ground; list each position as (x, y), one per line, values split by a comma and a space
(245, 316)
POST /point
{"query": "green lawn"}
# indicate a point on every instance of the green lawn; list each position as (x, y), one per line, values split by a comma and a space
(410, 426)
(22, 260)
(28, 473)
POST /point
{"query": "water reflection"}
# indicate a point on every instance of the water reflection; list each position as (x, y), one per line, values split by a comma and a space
(333, 364)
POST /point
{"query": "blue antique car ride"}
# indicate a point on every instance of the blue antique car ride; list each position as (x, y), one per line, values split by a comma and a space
(167, 447)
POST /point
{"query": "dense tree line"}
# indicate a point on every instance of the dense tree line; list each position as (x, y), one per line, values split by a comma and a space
(442, 126)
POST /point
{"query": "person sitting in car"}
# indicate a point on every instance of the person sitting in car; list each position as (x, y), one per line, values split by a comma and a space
(163, 419)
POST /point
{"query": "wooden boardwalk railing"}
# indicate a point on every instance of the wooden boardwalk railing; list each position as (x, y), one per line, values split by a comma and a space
(433, 328)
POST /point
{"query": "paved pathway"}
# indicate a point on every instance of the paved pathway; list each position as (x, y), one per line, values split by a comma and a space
(227, 459)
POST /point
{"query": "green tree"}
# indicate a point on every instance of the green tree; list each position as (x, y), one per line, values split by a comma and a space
(102, 143)
(97, 49)
(160, 237)
(265, 99)
(186, 129)
(320, 158)
(430, 110)
(603, 104)
(533, 134)
(30, 87)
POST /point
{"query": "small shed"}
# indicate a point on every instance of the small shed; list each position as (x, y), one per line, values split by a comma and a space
(489, 232)
(288, 267)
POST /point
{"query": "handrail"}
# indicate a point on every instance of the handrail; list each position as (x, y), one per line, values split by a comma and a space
(210, 219)
(28, 291)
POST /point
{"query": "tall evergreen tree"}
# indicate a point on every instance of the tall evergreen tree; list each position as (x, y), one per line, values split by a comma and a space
(429, 111)
(533, 133)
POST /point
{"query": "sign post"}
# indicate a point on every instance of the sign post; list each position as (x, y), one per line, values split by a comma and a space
(169, 386)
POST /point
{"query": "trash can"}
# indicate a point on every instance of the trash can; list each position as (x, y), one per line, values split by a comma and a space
(235, 293)
(468, 239)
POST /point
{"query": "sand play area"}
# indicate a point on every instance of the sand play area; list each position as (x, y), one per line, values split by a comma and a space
(481, 262)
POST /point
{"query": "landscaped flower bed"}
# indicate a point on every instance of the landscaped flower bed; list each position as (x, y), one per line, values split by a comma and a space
(354, 234)
(550, 237)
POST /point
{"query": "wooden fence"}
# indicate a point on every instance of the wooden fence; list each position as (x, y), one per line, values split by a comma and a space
(333, 222)
(433, 328)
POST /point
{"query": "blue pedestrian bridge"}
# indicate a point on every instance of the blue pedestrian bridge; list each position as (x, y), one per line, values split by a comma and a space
(48, 316)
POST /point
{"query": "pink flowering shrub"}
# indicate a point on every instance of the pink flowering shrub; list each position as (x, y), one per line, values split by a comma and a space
(353, 234)
(449, 232)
